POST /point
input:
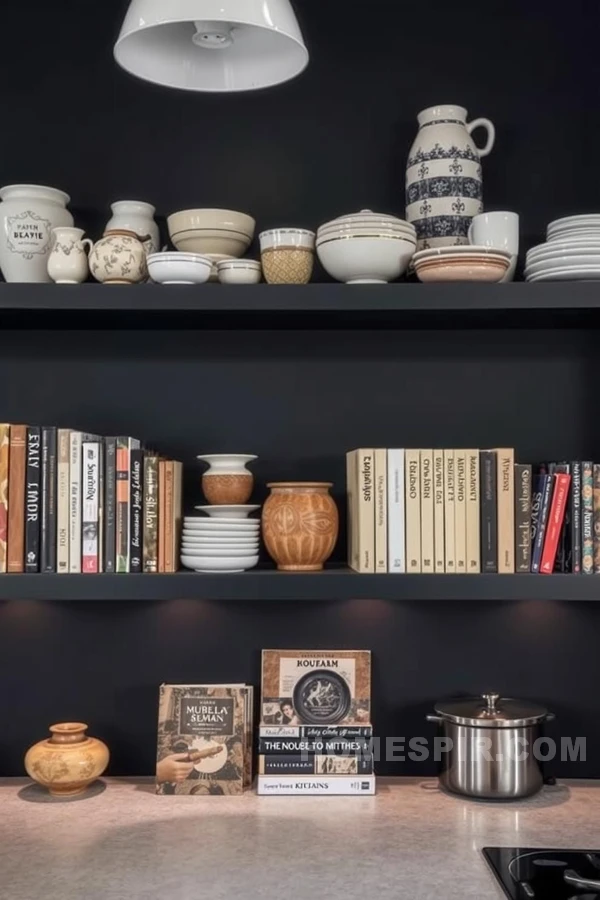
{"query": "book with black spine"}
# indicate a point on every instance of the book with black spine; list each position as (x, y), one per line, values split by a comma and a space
(575, 514)
(136, 504)
(317, 732)
(110, 500)
(150, 511)
(523, 476)
(48, 522)
(587, 518)
(124, 447)
(33, 498)
(537, 547)
(315, 764)
(489, 511)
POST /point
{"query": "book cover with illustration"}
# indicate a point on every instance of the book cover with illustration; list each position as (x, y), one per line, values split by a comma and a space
(316, 687)
(204, 739)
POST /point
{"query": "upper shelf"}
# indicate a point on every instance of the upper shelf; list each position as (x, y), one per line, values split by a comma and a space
(401, 305)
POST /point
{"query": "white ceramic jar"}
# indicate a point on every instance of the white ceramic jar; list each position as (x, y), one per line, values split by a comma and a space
(68, 262)
(443, 176)
(119, 258)
(28, 213)
(137, 216)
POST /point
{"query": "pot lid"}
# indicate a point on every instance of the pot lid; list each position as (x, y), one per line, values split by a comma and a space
(491, 711)
(367, 217)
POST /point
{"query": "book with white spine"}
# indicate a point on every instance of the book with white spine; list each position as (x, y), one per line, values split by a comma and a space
(315, 785)
(381, 527)
(427, 524)
(412, 467)
(76, 439)
(396, 511)
(438, 511)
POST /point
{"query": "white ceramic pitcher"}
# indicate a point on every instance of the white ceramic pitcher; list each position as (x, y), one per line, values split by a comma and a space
(68, 262)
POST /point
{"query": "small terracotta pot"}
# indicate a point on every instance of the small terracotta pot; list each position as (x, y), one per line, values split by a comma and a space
(300, 525)
(69, 761)
(225, 490)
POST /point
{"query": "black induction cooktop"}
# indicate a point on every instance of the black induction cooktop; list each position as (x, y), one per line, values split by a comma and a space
(527, 873)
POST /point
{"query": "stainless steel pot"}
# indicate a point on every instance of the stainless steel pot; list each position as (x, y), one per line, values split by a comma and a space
(490, 750)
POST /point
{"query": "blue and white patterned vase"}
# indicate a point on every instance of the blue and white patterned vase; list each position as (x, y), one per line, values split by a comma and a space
(443, 176)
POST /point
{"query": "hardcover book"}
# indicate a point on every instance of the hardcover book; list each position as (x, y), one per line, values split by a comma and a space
(314, 764)
(110, 504)
(316, 785)
(380, 510)
(449, 511)
(427, 513)
(204, 739)
(324, 746)
(136, 497)
(320, 734)
(366, 509)
(473, 514)
(555, 520)
(460, 512)
(16, 495)
(563, 551)
(352, 510)
(90, 507)
(489, 511)
(545, 485)
(438, 512)
(412, 462)
(4, 506)
(63, 484)
(48, 523)
(316, 687)
(587, 518)
(33, 499)
(76, 439)
(173, 489)
(150, 514)
(596, 519)
(396, 511)
(576, 518)
(506, 510)
(523, 479)
(161, 514)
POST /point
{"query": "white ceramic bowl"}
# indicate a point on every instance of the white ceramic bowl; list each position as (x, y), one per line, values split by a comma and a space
(219, 564)
(291, 238)
(239, 271)
(367, 217)
(368, 230)
(179, 268)
(491, 269)
(215, 232)
(365, 260)
(229, 512)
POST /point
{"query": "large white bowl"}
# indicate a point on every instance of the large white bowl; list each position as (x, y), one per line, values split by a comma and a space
(218, 232)
(219, 564)
(365, 260)
(237, 511)
(179, 268)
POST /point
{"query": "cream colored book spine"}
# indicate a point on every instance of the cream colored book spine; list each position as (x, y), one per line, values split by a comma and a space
(427, 525)
(438, 511)
(506, 510)
(473, 514)
(352, 510)
(62, 501)
(460, 512)
(449, 503)
(413, 511)
(396, 512)
(380, 510)
(366, 511)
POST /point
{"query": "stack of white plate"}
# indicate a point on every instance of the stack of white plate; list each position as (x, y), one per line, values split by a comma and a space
(224, 541)
(571, 253)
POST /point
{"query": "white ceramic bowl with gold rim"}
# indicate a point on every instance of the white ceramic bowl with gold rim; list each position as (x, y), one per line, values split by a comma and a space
(179, 268)
(287, 238)
(221, 219)
(239, 271)
(366, 233)
(365, 260)
(368, 218)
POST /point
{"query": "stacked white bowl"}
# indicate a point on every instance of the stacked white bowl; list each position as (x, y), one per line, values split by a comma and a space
(366, 247)
(223, 540)
(179, 268)
(571, 251)
(215, 233)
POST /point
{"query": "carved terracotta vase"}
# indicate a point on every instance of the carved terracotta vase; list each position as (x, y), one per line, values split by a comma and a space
(67, 762)
(227, 481)
(300, 525)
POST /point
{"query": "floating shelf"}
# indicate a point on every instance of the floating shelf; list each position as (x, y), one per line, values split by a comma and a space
(266, 584)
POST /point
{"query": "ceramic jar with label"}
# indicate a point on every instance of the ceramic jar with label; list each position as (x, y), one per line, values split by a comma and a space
(68, 262)
(68, 761)
(119, 258)
(28, 213)
(443, 176)
(136, 216)
(300, 525)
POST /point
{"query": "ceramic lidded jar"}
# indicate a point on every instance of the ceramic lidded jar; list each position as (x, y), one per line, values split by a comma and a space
(443, 176)
(300, 525)
(119, 258)
(227, 480)
(68, 262)
(28, 213)
(136, 216)
(67, 762)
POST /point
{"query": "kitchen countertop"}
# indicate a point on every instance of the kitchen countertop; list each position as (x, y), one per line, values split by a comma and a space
(409, 841)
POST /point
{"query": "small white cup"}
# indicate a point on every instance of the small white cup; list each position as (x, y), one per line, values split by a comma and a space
(499, 230)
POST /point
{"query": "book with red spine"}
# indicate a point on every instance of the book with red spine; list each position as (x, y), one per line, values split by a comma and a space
(555, 521)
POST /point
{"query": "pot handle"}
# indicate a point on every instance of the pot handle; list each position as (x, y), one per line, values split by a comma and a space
(437, 719)
(489, 126)
(86, 242)
(550, 717)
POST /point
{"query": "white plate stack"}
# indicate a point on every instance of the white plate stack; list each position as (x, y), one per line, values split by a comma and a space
(571, 251)
(225, 540)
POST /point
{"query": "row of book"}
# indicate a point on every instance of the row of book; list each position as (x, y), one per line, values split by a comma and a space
(470, 511)
(75, 502)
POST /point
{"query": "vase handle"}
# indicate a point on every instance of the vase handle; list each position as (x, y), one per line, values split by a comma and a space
(489, 126)
(86, 242)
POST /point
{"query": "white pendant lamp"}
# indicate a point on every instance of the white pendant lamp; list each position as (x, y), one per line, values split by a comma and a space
(212, 45)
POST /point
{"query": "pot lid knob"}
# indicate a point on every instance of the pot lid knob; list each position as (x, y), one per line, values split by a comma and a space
(491, 700)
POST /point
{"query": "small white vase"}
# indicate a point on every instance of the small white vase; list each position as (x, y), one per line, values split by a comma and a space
(138, 216)
(68, 262)
(28, 213)
(227, 481)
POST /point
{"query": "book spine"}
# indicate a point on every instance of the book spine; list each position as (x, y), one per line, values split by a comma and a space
(563, 552)
(161, 515)
(150, 510)
(4, 505)
(523, 518)
(412, 459)
(317, 785)
(312, 764)
(427, 513)
(380, 510)
(317, 732)
(326, 746)
(587, 518)
(460, 512)
(473, 514)
(110, 503)
(506, 511)
(542, 521)
(438, 512)
(90, 507)
(75, 442)
(576, 518)
(63, 517)
(177, 514)
(33, 499)
(100, 442)
(396, 511)
(449, 510)
(122, 505)
(136, 497)
(366, 510)
(489, 511)
(351, 511)
(596, 520)
(16, 494)
(48, 524)
(555, 520)
(169, 500)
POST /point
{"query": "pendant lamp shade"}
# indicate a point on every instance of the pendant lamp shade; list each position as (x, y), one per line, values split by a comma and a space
(212, 45)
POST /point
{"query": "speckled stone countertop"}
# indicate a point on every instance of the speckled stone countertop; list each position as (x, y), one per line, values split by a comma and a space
(410, 841)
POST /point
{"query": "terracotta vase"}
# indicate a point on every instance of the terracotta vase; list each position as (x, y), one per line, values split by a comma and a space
(300, 525)
(68, 762)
